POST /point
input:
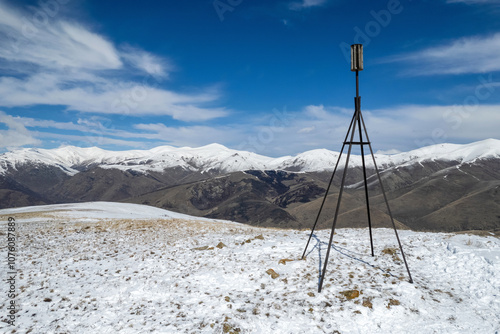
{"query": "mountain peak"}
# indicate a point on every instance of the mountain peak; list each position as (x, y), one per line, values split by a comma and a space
(214, 146)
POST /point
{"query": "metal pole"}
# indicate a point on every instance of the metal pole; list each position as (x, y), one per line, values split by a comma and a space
(328, 188)
(357, 86)
(386, 201)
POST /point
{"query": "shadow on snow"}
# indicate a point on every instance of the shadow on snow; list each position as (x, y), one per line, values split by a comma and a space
(343, 252)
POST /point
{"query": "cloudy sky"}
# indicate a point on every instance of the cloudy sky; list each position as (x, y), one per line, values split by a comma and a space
(261, 75)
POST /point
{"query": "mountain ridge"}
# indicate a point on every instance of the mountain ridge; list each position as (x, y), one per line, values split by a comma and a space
(445, 187)
(71, 159)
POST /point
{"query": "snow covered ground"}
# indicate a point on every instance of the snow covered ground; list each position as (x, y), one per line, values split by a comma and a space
(120, 268)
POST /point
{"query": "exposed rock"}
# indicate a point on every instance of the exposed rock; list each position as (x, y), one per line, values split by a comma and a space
(393, 302)
(221, 245)
(272, 273)
(201, 248)
(350, 294)
(367, 303)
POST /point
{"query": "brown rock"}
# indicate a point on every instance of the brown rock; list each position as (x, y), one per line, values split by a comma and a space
(272, 273)
(350, 294)
(393, 302)
(367, 303)
(201, 248)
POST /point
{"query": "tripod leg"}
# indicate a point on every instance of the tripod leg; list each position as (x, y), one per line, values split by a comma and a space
(365, 180)
(328, 188)
(386, 201)
(338, 207)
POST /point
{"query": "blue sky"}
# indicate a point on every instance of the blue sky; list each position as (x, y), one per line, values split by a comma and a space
(265, 76)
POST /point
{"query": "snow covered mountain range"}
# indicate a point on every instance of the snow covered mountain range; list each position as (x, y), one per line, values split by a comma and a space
(72, 159)
(444, 187)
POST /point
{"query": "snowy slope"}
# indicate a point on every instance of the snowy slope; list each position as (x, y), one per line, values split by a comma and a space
(95, 211)
(223, 159)
(113, 274)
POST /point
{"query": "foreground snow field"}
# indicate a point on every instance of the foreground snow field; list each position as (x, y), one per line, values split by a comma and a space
(120, 268)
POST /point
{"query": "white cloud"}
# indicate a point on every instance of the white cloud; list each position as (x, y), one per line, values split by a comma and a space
(86, 125)
(147, 62)
(16, 135)
(394, 129)
(90, 140)
(307, 130)
(54, 45)
(194, 136)
(411, 126)
(306, 4)
(93, 131)
(110, 97)
(477, 54)
(99, 131)
(400, 128)
(62, 63)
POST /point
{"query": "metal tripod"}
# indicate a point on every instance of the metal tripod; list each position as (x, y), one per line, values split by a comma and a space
(357, 121)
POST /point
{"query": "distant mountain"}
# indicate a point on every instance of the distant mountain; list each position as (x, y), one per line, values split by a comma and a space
(442, 187)
(215, 157)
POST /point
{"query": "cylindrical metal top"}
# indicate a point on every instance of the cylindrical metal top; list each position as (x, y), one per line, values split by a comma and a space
(356, 57)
